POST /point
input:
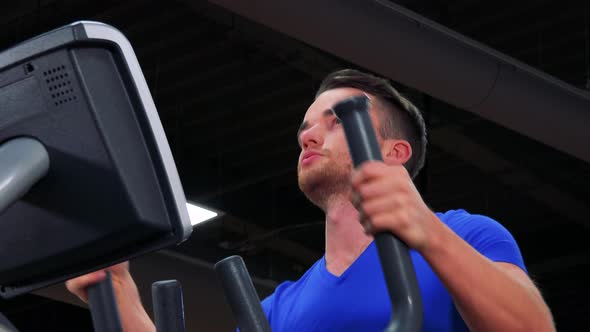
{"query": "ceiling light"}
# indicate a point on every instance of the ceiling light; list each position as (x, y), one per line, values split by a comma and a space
(198, 214)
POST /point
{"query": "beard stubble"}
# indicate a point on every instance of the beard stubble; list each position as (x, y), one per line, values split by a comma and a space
(324, 179)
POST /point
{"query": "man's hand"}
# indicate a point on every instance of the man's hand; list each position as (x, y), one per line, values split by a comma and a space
(79, 286)
(506, 299)
(133, 315)
(388, 201)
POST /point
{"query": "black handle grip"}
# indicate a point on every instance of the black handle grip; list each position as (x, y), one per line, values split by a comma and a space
(103, 306)
(168, 306)
(396, 263)
(241, 295)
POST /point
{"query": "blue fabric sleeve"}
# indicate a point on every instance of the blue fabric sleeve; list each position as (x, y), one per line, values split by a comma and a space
(267, 305)
(488, 237)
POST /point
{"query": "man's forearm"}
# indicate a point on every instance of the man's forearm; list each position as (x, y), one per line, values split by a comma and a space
(134, 318)
(488, 296)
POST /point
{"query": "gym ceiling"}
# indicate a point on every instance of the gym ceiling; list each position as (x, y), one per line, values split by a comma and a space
(231, 93)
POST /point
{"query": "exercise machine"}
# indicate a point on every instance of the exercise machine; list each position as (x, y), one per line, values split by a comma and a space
(87, 179)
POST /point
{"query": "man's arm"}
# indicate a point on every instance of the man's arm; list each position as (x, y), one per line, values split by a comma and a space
(490, 296)
(134, 318)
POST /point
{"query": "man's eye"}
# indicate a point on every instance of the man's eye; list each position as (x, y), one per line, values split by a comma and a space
(337, 120)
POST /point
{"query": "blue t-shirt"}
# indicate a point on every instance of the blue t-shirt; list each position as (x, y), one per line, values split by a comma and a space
(358, 300)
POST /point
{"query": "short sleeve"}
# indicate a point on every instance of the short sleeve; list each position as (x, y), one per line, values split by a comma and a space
(486, 235)
(267, 305)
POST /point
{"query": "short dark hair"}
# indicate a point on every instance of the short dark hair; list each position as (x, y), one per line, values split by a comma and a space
(403, 120)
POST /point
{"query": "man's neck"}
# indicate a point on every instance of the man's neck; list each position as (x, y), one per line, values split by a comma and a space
(345, 237)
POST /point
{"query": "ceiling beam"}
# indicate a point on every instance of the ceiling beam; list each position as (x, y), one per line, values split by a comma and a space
(397, 43)
(453, 142)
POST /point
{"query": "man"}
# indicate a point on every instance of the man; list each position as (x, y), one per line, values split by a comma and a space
(469, 268)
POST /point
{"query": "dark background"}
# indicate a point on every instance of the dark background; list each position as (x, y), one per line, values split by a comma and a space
(231, 95)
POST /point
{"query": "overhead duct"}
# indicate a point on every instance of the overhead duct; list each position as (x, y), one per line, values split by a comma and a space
(390, 40)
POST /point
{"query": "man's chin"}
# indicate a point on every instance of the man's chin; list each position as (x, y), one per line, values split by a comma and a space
(308, 175)
(319, 184)
(312, 174)
(305, 182)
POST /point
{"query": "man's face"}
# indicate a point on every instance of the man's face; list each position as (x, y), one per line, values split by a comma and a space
(324, 162)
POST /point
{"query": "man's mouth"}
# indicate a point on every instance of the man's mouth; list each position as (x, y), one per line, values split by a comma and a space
(309, 157)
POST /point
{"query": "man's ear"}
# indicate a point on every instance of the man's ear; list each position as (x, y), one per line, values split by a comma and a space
(396, 151)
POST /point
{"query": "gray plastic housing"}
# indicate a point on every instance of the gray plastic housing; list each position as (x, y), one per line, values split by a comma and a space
(24, 162)
(112, 191)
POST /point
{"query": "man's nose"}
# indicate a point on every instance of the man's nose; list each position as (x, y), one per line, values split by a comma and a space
(311, 136)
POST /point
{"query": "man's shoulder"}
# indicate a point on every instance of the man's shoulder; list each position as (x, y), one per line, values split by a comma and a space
(468, 225)
(461, 217)
(485, 234)
(453, 216)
